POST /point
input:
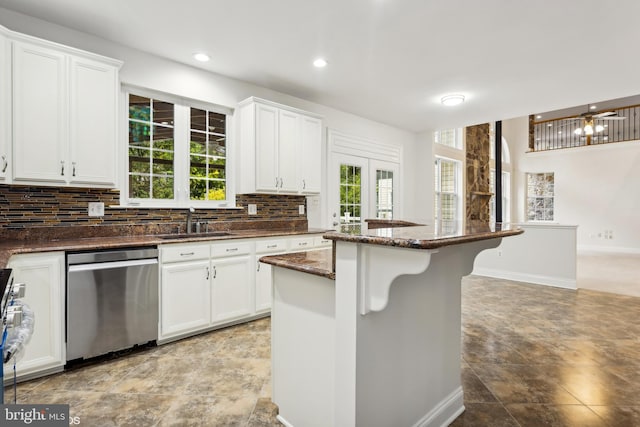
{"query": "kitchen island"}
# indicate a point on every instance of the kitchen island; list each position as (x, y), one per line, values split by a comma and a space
(369, 334)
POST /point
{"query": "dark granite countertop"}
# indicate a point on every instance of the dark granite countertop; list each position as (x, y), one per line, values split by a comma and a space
(388, 223)
(12, 247)
(317, 262)
(422, 237)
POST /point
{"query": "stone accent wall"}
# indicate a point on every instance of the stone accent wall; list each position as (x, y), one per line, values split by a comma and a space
(24, 209)
(478, 174)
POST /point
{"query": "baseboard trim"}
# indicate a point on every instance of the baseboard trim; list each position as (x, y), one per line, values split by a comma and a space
(283, 421)
(608, 249)
(445, 412)
(537, 279)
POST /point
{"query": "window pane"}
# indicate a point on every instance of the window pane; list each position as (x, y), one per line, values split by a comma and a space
(540, 196)
(139, 134)
(162, 188)
(207, 161)
(151, 148)
(139, 108)
(162, 112)
(384, 194)
(198, 119)
(350, 187)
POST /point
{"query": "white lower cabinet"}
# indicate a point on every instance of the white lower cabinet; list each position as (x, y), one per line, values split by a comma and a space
(263, 271)
(43, 275)
(208, 285)
(231, 284)
(185, 298)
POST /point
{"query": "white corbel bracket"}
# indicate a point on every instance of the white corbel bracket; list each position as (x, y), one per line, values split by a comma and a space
(380, 266)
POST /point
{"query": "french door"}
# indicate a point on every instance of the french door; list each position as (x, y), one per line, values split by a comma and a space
(361, 188)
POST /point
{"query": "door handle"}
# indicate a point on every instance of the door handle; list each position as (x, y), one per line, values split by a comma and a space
(62, 167)
(215, 272)
(73, 170)
(207, 273)
(4, 163)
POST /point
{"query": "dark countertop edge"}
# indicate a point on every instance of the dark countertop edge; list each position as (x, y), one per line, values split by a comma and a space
(285, 261)
(434, 243)
(9, 248)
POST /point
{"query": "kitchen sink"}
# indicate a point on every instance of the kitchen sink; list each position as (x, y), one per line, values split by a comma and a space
(194, 235)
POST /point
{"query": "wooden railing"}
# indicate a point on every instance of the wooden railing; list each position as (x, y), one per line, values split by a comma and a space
(560, 133)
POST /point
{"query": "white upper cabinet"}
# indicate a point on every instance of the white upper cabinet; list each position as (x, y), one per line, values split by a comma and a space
(64, 115)
(266, 147)
(280, 149)
(93, 113)
(39, 119)
(5, 106)
(288, 142)
(310, 155)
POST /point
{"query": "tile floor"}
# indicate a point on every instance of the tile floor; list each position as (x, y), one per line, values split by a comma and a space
(532, 356)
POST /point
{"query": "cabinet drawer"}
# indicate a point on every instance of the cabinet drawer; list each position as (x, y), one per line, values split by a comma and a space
(273, 245)
(190, 252)
(301, 243)
(230, 249)
(321, 242)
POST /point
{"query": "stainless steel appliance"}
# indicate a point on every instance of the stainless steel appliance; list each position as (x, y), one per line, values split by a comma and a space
(112, 301)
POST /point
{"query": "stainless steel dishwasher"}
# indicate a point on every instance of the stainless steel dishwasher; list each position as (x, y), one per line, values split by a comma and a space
(112, 301)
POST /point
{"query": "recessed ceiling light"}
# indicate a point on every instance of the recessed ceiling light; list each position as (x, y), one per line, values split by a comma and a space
(320, 63)
(550, 125)
(202, 57)
(538, 116)
(593, 107)
(451, 100)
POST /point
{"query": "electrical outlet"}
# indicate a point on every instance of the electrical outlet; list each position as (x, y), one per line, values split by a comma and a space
(252, 209)
(96, 209)
(301, 209)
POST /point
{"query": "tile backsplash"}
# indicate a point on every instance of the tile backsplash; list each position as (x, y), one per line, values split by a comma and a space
(29, 207)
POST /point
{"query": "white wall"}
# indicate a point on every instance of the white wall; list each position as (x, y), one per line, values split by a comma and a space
(149, 71)
(596, 187)
(544, 254)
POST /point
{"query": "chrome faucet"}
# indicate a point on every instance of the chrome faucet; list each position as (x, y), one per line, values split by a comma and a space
(190, 212)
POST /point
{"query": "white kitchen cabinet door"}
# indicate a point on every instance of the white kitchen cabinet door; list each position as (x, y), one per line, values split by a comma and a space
(266, 146)
(43, 275)
(263, 287)
(5, 106)
(39, 113)
(184, 298)
(288, 141)
(310, 155)
(232, 283)
(93, 120)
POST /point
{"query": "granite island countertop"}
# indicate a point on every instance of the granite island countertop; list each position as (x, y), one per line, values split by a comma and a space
(422, 237)
(322, 262)
(13, 247)
(318, 262)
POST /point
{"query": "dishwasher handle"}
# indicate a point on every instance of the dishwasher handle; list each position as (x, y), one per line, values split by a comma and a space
(108, 265)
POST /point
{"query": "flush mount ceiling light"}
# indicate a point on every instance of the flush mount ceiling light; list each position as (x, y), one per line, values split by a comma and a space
(202, 57)
(451, 100)
(320, 63)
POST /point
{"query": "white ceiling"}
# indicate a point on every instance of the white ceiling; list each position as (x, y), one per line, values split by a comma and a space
(389, 60)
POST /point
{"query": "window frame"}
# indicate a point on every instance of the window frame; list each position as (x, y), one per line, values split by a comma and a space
(528, 196)
(182, 130)
(457, 193)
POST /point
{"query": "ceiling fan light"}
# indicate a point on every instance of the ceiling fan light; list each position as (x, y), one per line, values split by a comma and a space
(588, 130)
(578, 131)
(599, 128)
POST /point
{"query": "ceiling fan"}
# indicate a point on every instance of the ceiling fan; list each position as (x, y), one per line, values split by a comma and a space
(589, 121)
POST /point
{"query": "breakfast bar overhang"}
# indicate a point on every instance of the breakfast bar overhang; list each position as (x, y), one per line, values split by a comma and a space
(369, 334)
